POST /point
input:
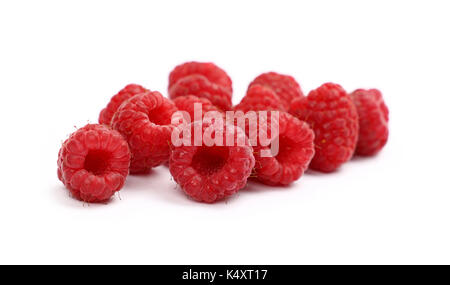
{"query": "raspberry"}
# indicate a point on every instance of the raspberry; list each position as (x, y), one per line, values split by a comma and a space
(285, 86)
(210, 173)
(145, 121)
(373, 121)
(127, 92)
(200, 86)
(295, 151)
(332, 115)
(93, 163)
(258, 98)
(211, 71)
(186, 103)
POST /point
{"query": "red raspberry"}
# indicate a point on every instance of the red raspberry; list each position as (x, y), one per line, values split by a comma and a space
(295, 149)
(126, 93)
(285, 86)
(210, 173)
(145, 121)
(373, 121)
(186, 103)
(200, 86)
(332, 115)
(93, 163)
(211, 71)
(260, 98)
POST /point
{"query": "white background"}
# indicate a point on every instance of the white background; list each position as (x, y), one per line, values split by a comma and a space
(61, 61)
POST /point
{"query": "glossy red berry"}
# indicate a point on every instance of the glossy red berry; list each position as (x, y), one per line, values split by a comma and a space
(93, 163)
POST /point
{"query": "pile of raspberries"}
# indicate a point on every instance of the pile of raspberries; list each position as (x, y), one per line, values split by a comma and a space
(320, 131)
